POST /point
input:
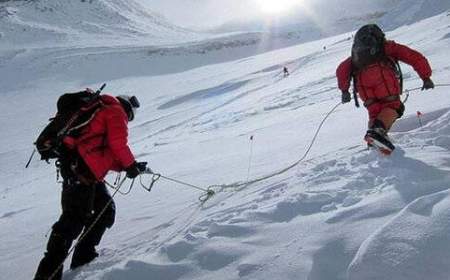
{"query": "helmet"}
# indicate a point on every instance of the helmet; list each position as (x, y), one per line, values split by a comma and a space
(370, 35)
(130, 104)
(368, 46)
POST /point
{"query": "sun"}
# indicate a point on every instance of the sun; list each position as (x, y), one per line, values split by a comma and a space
(277, 6)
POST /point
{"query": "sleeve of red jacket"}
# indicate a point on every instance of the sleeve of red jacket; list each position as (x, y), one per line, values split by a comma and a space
(117, 136)
(409, 56)
(343, 74)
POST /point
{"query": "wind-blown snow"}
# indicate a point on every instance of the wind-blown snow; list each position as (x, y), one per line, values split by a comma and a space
(343, 213)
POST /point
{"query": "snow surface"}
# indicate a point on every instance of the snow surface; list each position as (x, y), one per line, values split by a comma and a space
(343, 213)
(84, 22)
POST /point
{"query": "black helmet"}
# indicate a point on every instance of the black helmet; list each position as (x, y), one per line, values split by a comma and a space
(130, 104)
(368, 45)
(369, 35)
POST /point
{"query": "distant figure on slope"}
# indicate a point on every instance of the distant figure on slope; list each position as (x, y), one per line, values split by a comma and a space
(373, 65)
(285, 72)
(84, 157)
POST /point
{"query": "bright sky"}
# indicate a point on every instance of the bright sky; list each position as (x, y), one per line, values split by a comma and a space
(210, 13)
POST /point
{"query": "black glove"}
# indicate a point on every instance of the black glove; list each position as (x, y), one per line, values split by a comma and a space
(346, 96)
(427, 84)
(135, 169)
(142, 166)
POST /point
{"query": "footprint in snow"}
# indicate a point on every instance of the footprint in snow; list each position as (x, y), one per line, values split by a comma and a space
(142, 270)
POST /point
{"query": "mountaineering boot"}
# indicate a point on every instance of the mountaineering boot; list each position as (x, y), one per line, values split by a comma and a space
(377, 137)
(82, 257)
(51, 264)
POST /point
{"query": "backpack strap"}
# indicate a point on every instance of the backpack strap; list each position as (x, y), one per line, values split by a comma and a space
(355, 91)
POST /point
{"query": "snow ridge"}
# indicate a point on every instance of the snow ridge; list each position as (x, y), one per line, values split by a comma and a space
(83, 22)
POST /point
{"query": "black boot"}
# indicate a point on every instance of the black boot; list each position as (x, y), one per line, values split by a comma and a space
(82, 256)
(377, 137)
(51, 266)
(85, 250)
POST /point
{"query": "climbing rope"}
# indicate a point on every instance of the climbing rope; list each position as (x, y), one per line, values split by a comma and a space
(284, 170)
(408, 91)
(210, 192)
(118, 183)
(207, 192)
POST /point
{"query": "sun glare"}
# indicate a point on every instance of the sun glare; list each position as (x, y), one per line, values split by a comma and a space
(277, 6)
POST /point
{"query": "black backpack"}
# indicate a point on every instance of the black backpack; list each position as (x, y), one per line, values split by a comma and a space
(74, 111)
(368, 48)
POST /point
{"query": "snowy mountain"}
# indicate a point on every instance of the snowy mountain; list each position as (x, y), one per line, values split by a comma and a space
(342, 213)
(84, 22)
(316, 19)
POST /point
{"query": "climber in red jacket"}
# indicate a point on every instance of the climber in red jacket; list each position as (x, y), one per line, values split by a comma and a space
(372, 66)
(87, 206)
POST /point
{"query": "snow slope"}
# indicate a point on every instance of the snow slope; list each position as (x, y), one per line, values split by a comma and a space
(84, 23)
(343, 213)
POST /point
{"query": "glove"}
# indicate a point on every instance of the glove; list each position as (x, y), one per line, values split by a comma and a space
(142, 166)
(427, 84)
(135, 169)
(346, 96)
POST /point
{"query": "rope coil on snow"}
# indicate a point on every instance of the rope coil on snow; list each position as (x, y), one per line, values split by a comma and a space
(210, 192)
(308, 150)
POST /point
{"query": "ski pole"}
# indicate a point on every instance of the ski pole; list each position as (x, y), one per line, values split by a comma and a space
(100, 89)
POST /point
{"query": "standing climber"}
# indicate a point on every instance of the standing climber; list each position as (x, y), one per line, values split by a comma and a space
(373, 66)
(285, 71)
(84, 160)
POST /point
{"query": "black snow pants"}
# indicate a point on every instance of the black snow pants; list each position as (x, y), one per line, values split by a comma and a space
(81, 205)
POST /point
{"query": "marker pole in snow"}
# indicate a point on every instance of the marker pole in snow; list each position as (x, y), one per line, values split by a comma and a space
(250, 158)
(419, 117)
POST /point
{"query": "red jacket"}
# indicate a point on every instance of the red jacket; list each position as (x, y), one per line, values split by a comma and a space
(378, 80)
(103, 142)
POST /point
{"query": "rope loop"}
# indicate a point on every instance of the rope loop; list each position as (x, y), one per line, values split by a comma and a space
(207, 195)
(155, 177)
